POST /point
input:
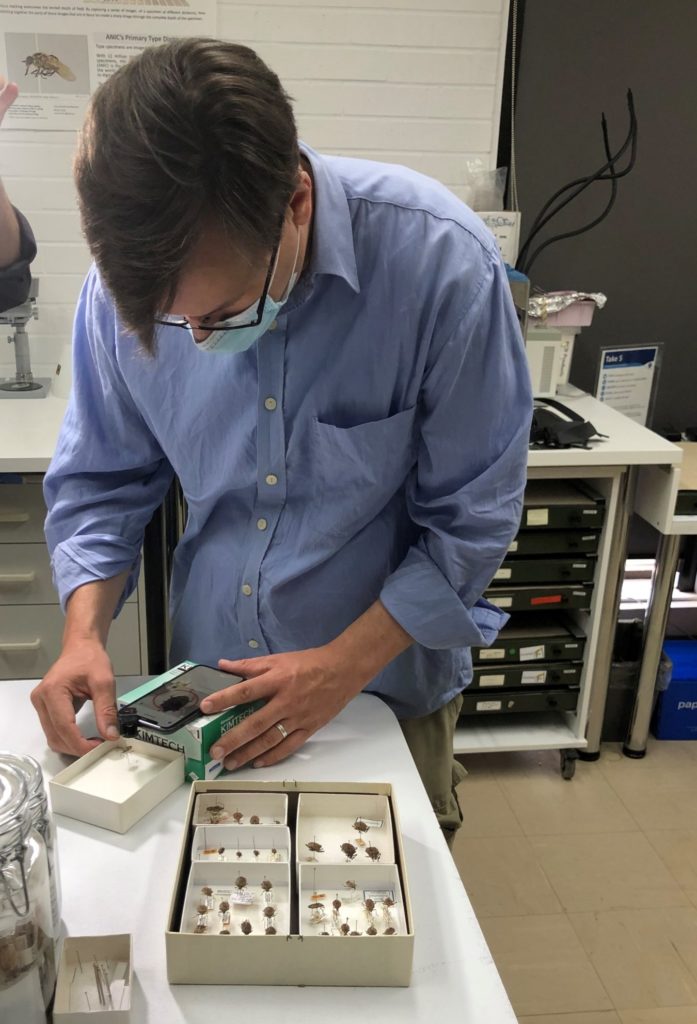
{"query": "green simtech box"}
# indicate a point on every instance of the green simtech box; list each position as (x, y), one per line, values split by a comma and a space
(196, 738)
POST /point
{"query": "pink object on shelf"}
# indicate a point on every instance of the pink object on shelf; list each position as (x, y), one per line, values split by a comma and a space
(578, 314)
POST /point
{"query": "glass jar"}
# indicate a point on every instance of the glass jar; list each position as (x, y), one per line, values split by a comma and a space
(27, 942)
(42, 821)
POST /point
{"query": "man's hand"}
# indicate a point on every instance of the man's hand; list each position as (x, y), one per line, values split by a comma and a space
(83, 672)
(8, 94)
(303, 690)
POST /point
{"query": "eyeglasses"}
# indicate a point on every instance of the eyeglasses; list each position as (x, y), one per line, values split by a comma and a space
(226, 325)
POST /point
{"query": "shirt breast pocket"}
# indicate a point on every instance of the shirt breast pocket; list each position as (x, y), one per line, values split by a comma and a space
(356, 471)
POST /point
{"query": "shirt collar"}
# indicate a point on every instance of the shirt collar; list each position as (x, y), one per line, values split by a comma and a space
(333, 251)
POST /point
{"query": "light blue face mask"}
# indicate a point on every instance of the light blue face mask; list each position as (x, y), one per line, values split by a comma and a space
(225, 340)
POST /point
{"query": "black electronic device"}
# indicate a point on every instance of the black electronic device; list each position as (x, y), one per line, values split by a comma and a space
(176, 702)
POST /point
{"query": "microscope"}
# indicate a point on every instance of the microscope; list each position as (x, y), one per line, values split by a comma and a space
(23, 384)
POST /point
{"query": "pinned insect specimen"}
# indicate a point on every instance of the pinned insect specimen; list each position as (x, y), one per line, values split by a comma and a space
(202, 908)
(350, 884)
(237, 817)
(225, 919)
(269, 913)
(337, 905)
(349, 851)
(274, 854)
(240, 882)
(43, 65)
(224, 931)
(369, 906)
(208, 893)
(266, 885)
(256, 853)
(254, 820)
(317, 914)
(360, 827)
(270, 930)
(246, 927)
(373, 853)
(354, 932)
(209, 851)
(201, 927)
(314, 847)
(315, 906)
(223, 906)
(372, 930)
(345, 928)
(221, 852)
(215, 813)
(388, 904)
(390, 931)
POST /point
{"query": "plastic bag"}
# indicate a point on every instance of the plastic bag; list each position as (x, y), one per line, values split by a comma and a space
(484, 189)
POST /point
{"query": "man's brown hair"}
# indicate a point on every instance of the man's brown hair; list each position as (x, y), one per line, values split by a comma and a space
(189, 133)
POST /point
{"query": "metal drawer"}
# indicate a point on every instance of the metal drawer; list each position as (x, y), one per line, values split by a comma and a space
(562, 673)
(22, 513)
(25, 575)
(555, 542)
(528, 637)
(550, 504)
(540, 597)
(31, 638)
(508, 701)
(545, 570)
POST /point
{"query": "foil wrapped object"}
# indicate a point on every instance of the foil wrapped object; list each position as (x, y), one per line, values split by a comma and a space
(543, 304)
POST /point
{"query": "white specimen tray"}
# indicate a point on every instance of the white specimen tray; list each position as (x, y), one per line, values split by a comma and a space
(269, 808)
(327, 882)
(117, 783)
(238, 843)
(77, 999)
(246, 903)
(328, 819)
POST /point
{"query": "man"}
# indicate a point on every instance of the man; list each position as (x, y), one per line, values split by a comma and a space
(326, 354)
(17, 245)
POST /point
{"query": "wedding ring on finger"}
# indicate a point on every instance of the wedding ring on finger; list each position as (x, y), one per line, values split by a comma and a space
(282, 730)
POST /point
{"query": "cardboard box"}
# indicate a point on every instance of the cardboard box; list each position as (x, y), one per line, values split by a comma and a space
(117, 783)
(195, 739)
(78, 957)
(295, 959)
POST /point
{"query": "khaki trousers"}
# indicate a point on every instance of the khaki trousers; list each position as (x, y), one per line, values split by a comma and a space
(430, 740)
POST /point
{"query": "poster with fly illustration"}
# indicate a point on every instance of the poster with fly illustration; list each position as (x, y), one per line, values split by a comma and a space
(58, 52)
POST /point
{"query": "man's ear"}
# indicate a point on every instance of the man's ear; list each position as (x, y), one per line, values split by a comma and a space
(301, 200)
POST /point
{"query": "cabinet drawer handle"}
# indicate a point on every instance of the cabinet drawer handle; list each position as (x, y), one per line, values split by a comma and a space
(17, 577)
(30, 645)
(14, 517)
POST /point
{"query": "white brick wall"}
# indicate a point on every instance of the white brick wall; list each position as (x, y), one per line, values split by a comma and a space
(404, 81)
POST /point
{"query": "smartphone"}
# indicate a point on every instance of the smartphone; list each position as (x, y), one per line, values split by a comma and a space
(177, 701)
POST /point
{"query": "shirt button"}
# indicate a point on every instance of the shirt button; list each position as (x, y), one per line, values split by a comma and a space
(270, 404)
(261, 524)
(272, 479)
(246, 589)
(253, 643)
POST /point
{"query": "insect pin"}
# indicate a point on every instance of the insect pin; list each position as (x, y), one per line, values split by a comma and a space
(369, 906)
(345, 928)
(237, 817)
(349, 851)
(373, 853)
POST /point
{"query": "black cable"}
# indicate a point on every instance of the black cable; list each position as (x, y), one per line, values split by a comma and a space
(580, 184)
(579, 231)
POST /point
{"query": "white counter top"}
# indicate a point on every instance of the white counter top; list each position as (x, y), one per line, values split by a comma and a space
(627, 444)
(28, 432)
(121, 883)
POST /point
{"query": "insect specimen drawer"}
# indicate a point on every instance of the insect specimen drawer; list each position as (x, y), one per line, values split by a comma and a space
(335, 872)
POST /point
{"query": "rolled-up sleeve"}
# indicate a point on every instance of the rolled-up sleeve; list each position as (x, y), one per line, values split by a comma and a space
(108, 474)
(466, 490)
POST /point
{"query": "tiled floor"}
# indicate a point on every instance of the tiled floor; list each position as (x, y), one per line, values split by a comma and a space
(587, 890)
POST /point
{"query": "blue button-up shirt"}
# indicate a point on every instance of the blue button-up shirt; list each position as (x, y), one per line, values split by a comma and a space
(371, 445)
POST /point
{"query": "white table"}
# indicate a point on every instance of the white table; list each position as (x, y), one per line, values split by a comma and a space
(114, 883)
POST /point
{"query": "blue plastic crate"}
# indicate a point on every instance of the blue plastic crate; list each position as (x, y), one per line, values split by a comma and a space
(683, 654)
(676, 711)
